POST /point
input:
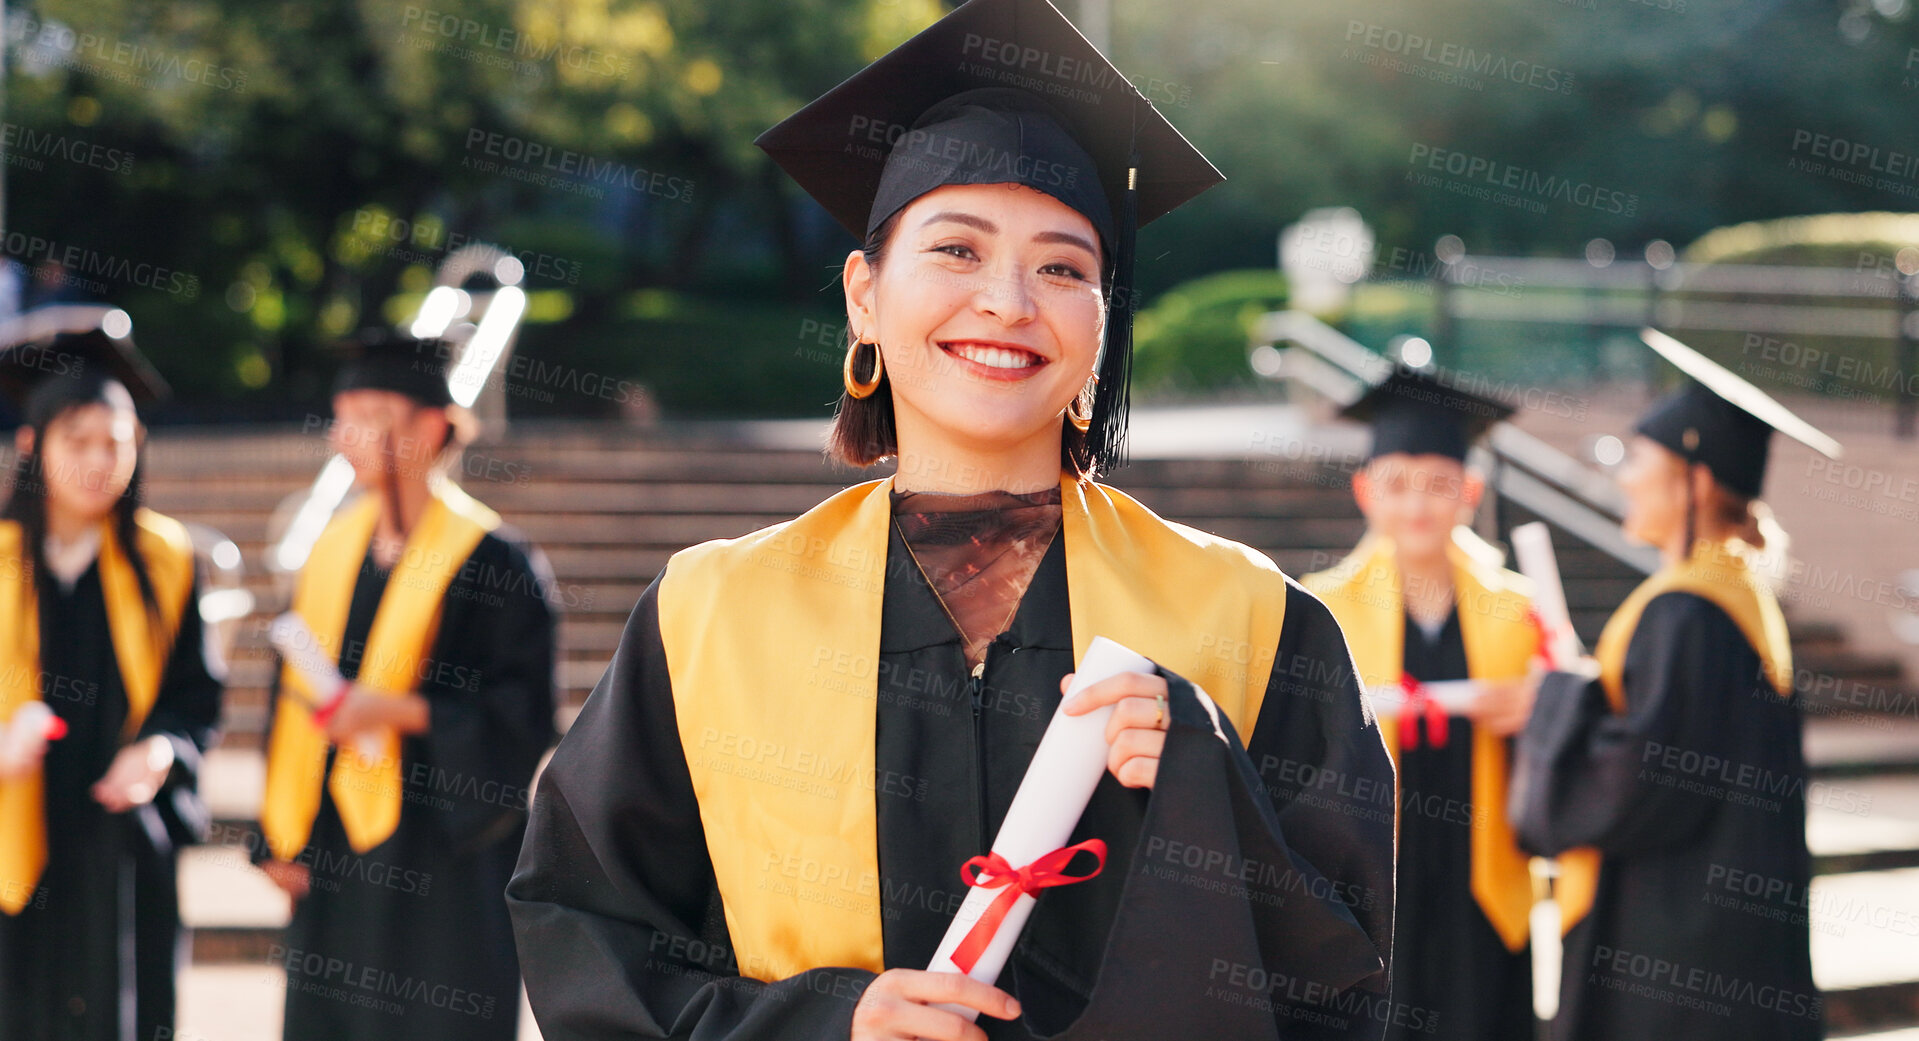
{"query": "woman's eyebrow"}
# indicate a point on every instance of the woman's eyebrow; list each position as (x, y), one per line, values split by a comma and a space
(956, 217)
(1061, 238)
(1066, 238)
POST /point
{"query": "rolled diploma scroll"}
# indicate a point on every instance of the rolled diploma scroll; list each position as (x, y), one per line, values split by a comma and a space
(25, 737)
(1533, 546)
(1058, 784)
(1454, 696)
(301, 649)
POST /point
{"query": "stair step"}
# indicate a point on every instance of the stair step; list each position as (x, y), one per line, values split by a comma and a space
(1871, 860)
(1865, 946)
(246, 1001)
(221, 889)
(1863, 822)
(1893, 1006)
(1868, 667)
(1840, 747)
(243, 1001)
(1895, 1034)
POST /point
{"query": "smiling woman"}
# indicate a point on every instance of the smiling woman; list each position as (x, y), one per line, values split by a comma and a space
(993, 319)
(756, 827)
(985, 303)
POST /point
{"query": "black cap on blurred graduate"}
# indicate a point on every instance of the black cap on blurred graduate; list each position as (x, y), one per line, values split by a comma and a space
(998, 92)
(1412, 412)
(82, 343)
(1720, 420)
(382, 360)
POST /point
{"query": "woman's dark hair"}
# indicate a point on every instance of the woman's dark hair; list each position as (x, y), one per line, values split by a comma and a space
(1740, 515)
(46, 404)
(1734, 514)
(863, 432)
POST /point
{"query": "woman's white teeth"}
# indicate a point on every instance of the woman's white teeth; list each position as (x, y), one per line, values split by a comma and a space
(995, 357)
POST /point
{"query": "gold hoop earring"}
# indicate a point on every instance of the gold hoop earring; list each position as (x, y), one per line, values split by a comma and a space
(1081, 421)
(854, 388)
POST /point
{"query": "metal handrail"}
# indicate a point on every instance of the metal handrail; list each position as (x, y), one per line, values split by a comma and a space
(1688, 277)
(1528, 471)
(1870, 302)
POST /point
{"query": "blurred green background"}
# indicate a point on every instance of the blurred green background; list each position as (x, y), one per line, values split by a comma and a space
(296, 169)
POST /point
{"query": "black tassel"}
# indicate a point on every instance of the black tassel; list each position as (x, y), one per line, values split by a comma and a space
(1106, 436)
(1692, 511)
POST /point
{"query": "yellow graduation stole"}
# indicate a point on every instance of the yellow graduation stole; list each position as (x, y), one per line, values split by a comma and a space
(1721, 576)
(772, 640)
(366, 791)
(141, 650)
(1364, 593)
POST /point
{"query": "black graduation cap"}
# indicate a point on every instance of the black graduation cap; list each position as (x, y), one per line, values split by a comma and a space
(1416, 413)
(1721, 420)
(75, 342)
(382, 360)
(1002, 91)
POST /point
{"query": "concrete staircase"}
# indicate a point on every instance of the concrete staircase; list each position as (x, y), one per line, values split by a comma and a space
(609, 506)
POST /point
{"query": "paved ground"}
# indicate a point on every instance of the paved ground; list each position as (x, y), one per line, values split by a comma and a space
(235, 1003)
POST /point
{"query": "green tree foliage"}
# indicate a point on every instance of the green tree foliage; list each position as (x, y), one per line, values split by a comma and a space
(1195, 336)
(1686, 114)
(301, 162)
(295, 165)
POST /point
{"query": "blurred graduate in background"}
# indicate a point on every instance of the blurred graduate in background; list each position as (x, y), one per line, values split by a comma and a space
(109, 693)
(395, 802)
(1425, 604)
(1672, 764)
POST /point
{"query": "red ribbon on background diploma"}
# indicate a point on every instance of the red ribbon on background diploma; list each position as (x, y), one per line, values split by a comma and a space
(332, 704)
(991, 871)
(1420, 704)
(1538, 621)
(31, 724)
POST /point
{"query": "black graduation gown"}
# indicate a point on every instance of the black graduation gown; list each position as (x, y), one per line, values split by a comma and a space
(93, 956)
(1696, 797)
(1451, 971)
(410, 940)
(622, 933)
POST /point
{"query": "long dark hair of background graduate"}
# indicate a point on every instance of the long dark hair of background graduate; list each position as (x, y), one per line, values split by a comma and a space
(27, 503)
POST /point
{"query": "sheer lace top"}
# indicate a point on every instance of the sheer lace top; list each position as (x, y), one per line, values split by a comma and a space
(979, 553)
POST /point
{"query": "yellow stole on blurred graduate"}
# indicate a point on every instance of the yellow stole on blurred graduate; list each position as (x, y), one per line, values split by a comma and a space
(140, 647)
(1495, 606)
(367, 791)
(772, 641)
(1720, 575)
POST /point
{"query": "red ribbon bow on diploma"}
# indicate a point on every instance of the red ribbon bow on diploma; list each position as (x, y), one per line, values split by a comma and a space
(1546, 636)
(324, 712)
(993, 872)
(1420, 704)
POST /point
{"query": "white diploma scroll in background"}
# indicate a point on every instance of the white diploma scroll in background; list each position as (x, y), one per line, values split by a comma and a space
(24, 738)
(301, 649)
(1533, 546)
(1453, 697)
(1058, 784)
